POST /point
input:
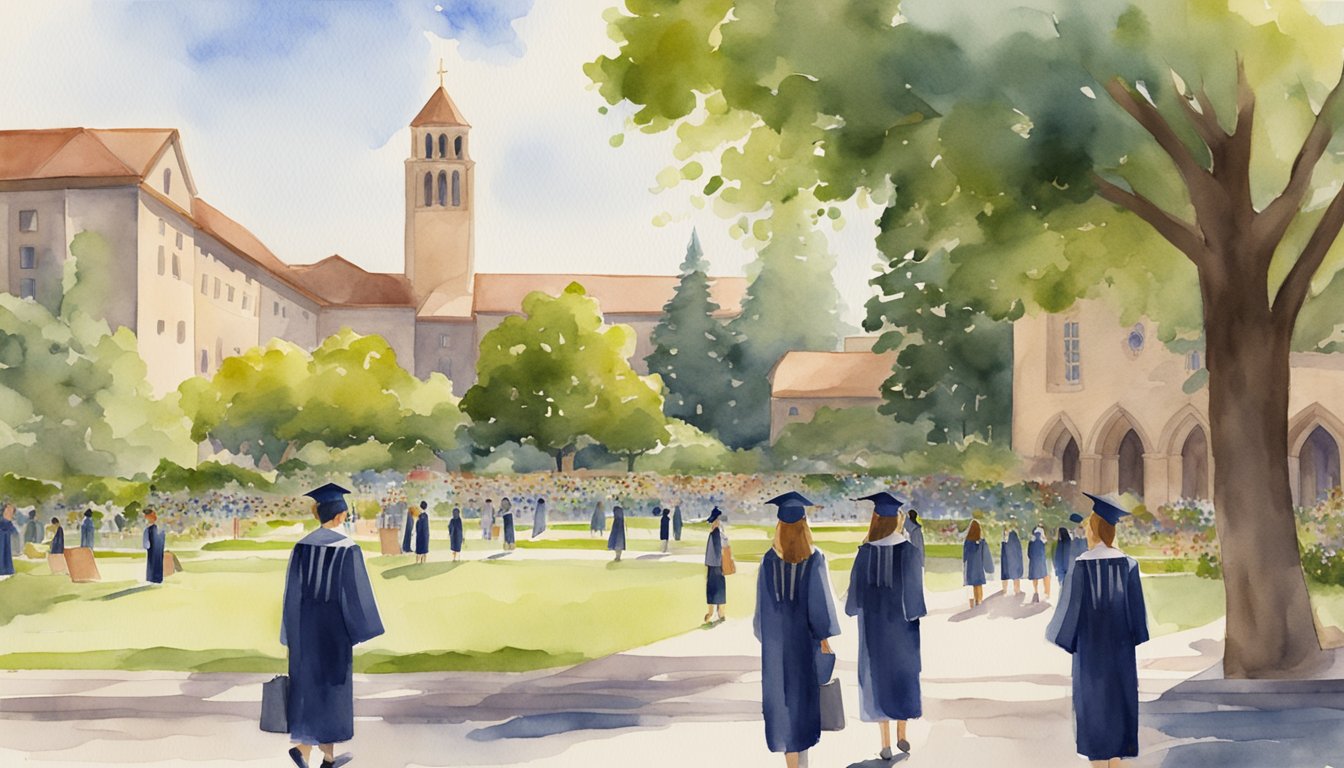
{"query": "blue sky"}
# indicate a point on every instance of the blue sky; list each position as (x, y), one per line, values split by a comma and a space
(293, 117)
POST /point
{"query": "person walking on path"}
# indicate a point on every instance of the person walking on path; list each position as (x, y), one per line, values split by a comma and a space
(716, 586)
(664, 528)
(488, 519)
(886, 593)
(795, 617)
(154, 541)
(1063, 555)
(915, 531)
(87, 530)
(408, 529)
(677, 522)
(455, 533)
(328, 609)
(616, 539)
(1038, 567)
(598, 524)
(1101, 619)
(8, 535)
(1010, 561)
(539, 519)
(508, 531)
(422, 534)
(976, 562)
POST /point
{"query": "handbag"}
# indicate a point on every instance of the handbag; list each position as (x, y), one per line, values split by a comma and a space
(275, 705)
(832, 707)
(729, 565)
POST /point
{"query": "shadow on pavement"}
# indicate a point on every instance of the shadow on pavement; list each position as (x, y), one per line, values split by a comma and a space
(878, 762)
(128, 592)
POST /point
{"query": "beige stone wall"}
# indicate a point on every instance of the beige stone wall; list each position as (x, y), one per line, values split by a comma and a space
(49, 241)
(286, 314)
(448, 348)
(1122, 388)
(395, 324)
(793, 410)
(228, 306)
(165, 312)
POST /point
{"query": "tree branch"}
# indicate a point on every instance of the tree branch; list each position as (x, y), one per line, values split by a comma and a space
(1179, 233)
(1232, 164)
(1273, 221)
(1204, 119)
(1293, 291)
(1198, 181)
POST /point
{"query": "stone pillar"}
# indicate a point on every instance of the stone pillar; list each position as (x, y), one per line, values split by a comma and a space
(1090, 473)
(1155, 476)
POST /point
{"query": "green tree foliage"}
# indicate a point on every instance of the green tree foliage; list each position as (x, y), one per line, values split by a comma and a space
(852, 439)
(271, 402)
(1171, 157)
(691, 348)
(556, 374)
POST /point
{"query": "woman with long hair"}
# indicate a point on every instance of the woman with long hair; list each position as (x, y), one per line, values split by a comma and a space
(1038, 569)
(1100, 619)
(616, 539)
(795, 615)
(1010, 560)
(886, 593)
(976, 561)
(1063, 556)
(716, 586)
(455, 533)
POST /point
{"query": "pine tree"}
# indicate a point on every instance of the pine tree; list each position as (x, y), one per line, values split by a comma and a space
(691, 348)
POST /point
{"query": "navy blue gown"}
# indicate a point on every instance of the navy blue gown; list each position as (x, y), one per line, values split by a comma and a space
(886, 592)
(328, 609)
(794, 613)
(677, 523)
(86, 533)
(32, 530)
(7, 533)
(455, 533)
(1100, 619)
(665, 527)
(1010, 557)
(422, 534)
(616, 539)
(539, 519)
(407, 530)
(1079, 546)
(154, 542)
(1063, 554)
(58, 541)
(1037, 567)
(716, 587)
(510, 532)
(599, 522)
(976, 562)
(916, 533)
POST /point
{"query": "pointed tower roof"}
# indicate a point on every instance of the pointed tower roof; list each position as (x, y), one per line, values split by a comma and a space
(439, 110)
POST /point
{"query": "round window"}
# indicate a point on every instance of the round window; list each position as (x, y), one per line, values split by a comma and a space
(1135, 340)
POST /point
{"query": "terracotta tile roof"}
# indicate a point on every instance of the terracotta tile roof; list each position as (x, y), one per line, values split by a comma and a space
(618, 294)
(439, 110)
(831, 374)
(242, 241)
(343, 283)
(80, 152)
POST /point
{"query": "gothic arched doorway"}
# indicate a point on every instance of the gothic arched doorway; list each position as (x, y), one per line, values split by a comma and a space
(1130, 461)
(1318, 467)
(1195, 465)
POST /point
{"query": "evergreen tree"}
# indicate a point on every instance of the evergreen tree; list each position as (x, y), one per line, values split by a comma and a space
(691, 348)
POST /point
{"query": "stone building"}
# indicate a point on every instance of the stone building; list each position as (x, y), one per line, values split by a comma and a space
(802, 383)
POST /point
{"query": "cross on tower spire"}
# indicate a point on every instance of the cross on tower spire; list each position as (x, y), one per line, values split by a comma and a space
(442, 71)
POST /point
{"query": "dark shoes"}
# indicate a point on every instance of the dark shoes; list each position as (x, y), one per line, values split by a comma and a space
(297, 757)
(885, 754)
(904, 746)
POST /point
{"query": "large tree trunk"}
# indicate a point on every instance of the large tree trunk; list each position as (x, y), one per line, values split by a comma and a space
(1270, 627)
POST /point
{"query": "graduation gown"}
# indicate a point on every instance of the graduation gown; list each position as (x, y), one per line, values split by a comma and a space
(539, 520)
(58, 541)
(1079, 544)
(794, 613)
(8, 531)
(599, 522)
(665, 527)
(407, 530)
(1063, 556)
(1010, 557)
(506, 527)
(616, 539)
(915, 532)
(455, 533)
(32, 531)
(677, 522)
(328, 609)
(154, 540)
(1100, 619)
(1037, 567)
(422, 534)
(86, 533)
(976, 562)
(886, 593)
(716, 587)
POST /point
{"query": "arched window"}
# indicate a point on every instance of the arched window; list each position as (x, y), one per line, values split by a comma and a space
(457, 147)
(205, 361)
(443, 188)
(167, 181)
(429, 189)
(429, 146)
(457, 189)
(181, 331)
(443, 145)
(793, 410)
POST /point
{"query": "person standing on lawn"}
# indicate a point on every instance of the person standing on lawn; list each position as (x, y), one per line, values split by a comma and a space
(154, 541)
(32, 530)
(57, 538)
(455, 533)
(1038, 569)
(421, 533)
(598, 525)
(976, 561)
(539, 519)
(9, 533)
(1010, 560)
(408, 529)
(677, 522)
(616, 539)
(716, 586)
(664, 528)
(86, 530)
(328, 609)
(508, 532)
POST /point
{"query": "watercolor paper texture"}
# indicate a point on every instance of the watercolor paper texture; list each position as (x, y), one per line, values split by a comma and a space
(715, 382)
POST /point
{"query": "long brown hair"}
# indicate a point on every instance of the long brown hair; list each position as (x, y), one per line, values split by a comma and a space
(973, 533)
(1102, 529)
(881, 527)
(793, 541)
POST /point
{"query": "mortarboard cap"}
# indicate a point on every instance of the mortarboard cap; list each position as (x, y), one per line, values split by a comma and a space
(884, 504)
(1075, 518)
(1106, 509)
(714, 514)
(792, 506)
(330, 500)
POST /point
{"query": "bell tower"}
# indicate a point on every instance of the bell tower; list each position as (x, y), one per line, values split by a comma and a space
(440, 194)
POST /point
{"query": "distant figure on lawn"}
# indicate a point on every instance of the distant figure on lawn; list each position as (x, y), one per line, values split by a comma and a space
(1038, 567)
(976, 561)
(716, 586)
(1079, 536)
(9, 533)
(539, 518)
(598, 525)
(422, 534)
(408, 531)
(1100, 619)
(154, 541)
(886, 593)
(455, 533)
(915, 531)
(616, 539)
(1010, 561)
(32, 530)
(795, 616)
(86, 530)
(1063, 556)
(509, 531)
(487, 519)
(57, 538)
(664, 528)
(328, 609)
(677, 522)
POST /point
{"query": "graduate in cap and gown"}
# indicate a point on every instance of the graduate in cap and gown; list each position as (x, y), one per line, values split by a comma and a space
(716, 586)
(976, 561)
(408, 532)
(1038, 568)
(539, 519)
(86, 530)
(915, 530)
(422, 534)
(1063, 555)
(677, 522)
(455, 533)
(1100, 619)
(57, 538)
(8, 533)
(508, 531)
(616, 539)
(328, 609)
(32, 530)
(598, 524)
(664, 528)
(795, 615)
(1079, 540)
(1010, 561)
(886, 593)
(154, 541)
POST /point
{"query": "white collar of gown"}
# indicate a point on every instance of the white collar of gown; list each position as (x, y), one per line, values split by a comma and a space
(1101, 552)
(892, 540)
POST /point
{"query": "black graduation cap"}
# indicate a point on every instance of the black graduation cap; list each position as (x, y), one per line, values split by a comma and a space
(1076, 518)
(330, 500)
(714, 514)
(792, 506)
(884, 504)
(1106, 509)
(424, 505)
